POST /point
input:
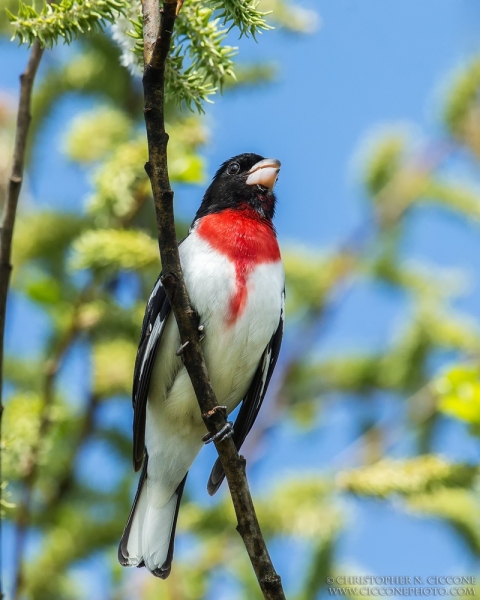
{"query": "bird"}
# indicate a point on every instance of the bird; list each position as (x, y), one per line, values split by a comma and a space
(235, 279)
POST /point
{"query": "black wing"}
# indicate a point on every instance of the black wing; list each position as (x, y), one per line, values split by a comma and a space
(253, 400)
(156, 315)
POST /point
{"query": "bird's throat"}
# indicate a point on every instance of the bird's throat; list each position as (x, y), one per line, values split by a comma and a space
(247, 240)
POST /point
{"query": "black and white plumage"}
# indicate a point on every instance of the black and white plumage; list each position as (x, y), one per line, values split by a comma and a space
(234, 275)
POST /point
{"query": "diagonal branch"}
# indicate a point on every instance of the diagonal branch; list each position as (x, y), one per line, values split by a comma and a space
(233, 464)
(10, 208)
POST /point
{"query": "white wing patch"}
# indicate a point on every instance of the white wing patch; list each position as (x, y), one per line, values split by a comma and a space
(152, 340)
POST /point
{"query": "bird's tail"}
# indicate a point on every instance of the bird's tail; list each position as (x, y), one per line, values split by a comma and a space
(149, 535)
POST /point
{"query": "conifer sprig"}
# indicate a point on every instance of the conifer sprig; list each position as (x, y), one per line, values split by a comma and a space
(198, 40)
(201, 37)
(242, 14)
(67, 19)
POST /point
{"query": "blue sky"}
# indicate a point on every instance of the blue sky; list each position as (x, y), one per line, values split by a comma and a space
(371, 63)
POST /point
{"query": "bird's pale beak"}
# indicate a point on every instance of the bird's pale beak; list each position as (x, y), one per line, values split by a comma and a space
(264, 173)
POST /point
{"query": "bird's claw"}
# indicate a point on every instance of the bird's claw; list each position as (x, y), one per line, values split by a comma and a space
(210, 413)
(181, 348)
(225, 432)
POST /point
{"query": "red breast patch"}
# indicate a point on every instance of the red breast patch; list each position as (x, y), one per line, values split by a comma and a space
(247, 240)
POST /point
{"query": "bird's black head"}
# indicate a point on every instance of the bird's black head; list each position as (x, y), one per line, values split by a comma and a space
(244, 181)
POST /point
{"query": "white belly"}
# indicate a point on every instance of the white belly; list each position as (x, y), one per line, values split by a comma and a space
(232, 350)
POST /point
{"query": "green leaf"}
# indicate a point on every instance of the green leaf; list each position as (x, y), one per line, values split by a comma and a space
(120, 183)
(385, 157)
(113, 362)
(66, 20)
(24, 373)
(462, 97)
(20, 427)
(299, 507)
(292, 17)
(457, 507)
(45, 236)
(199, 62)
(95, 133)
(458, 390)
(454, 195)
(5, 495)
(44, 290)
(242, 14)
(310, 277)
(113, 250)
(413, 476)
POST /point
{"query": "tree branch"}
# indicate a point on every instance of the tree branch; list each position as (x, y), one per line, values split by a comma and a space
(10, 208)
(187, 320)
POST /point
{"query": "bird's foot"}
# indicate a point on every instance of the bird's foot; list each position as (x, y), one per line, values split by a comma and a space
(181, 348)
(210, 413)
(225, 432)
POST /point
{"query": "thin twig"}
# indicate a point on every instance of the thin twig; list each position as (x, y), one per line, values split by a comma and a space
(187, 320)
(151, 27)
(10, 208)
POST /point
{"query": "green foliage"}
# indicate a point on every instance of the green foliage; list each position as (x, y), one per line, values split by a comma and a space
(84, 75)
(186, 86)
(102, 316)
(297, 507)
(458, 391)
(302, 508)
(199, 61)
(121, 183)
(399, 367)
(242, 14)
(293, 17)
(4, 499)
(113, 362)
(461, 198)
(457, 507)
(74, 517)
(199, 38)
(249, 75)
(43, 237)
(66, 20)
(23, 375)
(72, 537)
(311, 277)
(94, 134)
(113, 250)
(414, 476)
(462, 98)
(386, 155)
(20, 433)
(427, 283)
(10, 5)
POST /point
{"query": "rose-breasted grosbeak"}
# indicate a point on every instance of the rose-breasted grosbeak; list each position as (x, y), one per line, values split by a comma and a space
(234, 276)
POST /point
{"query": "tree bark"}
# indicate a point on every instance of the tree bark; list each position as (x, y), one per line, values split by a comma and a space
(10, 209)
(187, 319)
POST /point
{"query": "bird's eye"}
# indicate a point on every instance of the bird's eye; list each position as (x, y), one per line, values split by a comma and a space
(233, 168)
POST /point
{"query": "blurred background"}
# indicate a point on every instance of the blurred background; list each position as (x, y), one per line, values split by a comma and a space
(364, 459)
